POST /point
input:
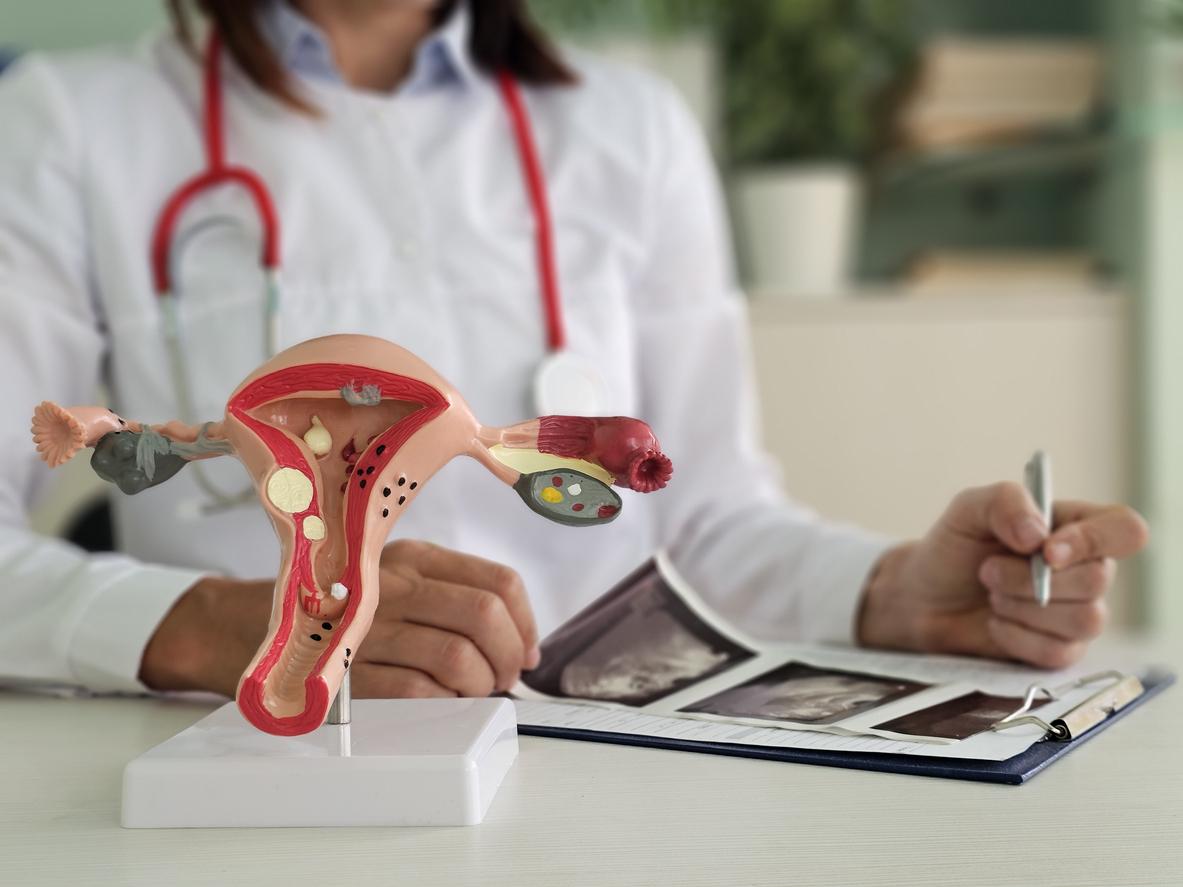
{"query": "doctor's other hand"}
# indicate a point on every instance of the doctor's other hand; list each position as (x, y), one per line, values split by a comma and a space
(447, 624)
(965, 588)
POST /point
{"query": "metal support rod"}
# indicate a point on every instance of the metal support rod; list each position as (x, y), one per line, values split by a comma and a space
(339, 711)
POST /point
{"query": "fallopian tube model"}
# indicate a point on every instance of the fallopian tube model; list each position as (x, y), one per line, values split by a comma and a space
(340, 434)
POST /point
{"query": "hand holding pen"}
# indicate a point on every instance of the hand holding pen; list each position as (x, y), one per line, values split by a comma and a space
(1003, 573)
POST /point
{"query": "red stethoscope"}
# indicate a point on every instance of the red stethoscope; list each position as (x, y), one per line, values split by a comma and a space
(564, 383)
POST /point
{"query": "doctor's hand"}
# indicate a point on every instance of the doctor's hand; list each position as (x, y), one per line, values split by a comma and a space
(965, 588)
(447, 624)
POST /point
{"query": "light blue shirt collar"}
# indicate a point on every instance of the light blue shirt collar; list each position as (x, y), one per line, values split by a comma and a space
(441, 59)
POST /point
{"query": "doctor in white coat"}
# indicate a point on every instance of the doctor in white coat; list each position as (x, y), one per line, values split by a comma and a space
(382, 135)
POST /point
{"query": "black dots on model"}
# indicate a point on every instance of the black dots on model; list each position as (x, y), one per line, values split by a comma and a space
(386, 512)
(327, 626)
(370, 470)
(386, 491)
(414, 484)
(362, 483)
(315, 637)
(402, 499)
(348, 652)
(347, 663)
(381, 449)
(401, 481)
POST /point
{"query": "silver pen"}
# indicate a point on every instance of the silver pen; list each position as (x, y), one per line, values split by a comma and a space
(1038, 477)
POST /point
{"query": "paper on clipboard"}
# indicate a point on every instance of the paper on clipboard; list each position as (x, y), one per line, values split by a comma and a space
(649, 658)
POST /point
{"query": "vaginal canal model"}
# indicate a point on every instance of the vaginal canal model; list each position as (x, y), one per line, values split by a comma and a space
(340, 434)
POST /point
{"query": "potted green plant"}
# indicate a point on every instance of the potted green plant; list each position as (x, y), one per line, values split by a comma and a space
(803, 87)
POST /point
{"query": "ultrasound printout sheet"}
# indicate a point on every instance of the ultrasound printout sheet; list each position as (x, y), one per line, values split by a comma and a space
(649, 658)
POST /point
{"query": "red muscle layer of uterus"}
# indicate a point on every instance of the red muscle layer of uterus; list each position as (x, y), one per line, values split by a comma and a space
(332, 514)
(347, 499)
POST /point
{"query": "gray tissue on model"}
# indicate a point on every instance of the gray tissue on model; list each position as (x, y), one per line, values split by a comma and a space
(114, 460)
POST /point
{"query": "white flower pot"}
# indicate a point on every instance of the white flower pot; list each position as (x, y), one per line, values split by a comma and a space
(797, 227)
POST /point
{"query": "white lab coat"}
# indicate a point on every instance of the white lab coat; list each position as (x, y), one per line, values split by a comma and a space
(403, 217)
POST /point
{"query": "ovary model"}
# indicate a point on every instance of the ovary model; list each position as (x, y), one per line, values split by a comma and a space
(340, 434)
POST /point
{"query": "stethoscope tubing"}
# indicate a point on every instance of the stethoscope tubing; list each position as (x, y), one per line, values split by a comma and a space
(216, 173)
(552, 304)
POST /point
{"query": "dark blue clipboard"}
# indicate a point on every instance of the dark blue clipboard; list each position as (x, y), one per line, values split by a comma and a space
(1013, 771)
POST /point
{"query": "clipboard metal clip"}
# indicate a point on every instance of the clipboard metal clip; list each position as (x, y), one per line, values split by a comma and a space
(1121, 690)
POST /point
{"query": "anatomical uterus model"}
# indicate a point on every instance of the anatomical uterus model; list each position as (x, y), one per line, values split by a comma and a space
(340, 434)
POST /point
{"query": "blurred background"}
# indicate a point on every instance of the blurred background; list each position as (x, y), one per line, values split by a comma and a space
(955, 222)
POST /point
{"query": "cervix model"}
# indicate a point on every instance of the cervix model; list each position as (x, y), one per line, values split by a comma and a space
(340, 434)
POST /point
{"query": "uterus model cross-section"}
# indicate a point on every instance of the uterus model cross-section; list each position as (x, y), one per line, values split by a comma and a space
(340, 434)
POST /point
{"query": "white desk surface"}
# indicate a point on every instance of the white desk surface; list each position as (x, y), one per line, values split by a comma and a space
(575, 813)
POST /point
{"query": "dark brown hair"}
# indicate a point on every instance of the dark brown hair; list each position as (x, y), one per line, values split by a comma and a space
(503, 37)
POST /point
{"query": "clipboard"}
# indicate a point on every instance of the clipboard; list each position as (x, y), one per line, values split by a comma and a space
(1064, 734)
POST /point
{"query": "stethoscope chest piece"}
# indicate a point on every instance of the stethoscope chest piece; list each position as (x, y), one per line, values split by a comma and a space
(566, 384)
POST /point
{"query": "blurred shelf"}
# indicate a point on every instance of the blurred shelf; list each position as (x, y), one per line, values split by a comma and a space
(1057, 154)
(889, 304)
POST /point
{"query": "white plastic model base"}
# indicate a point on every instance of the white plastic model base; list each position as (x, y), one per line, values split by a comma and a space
(400, 762)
